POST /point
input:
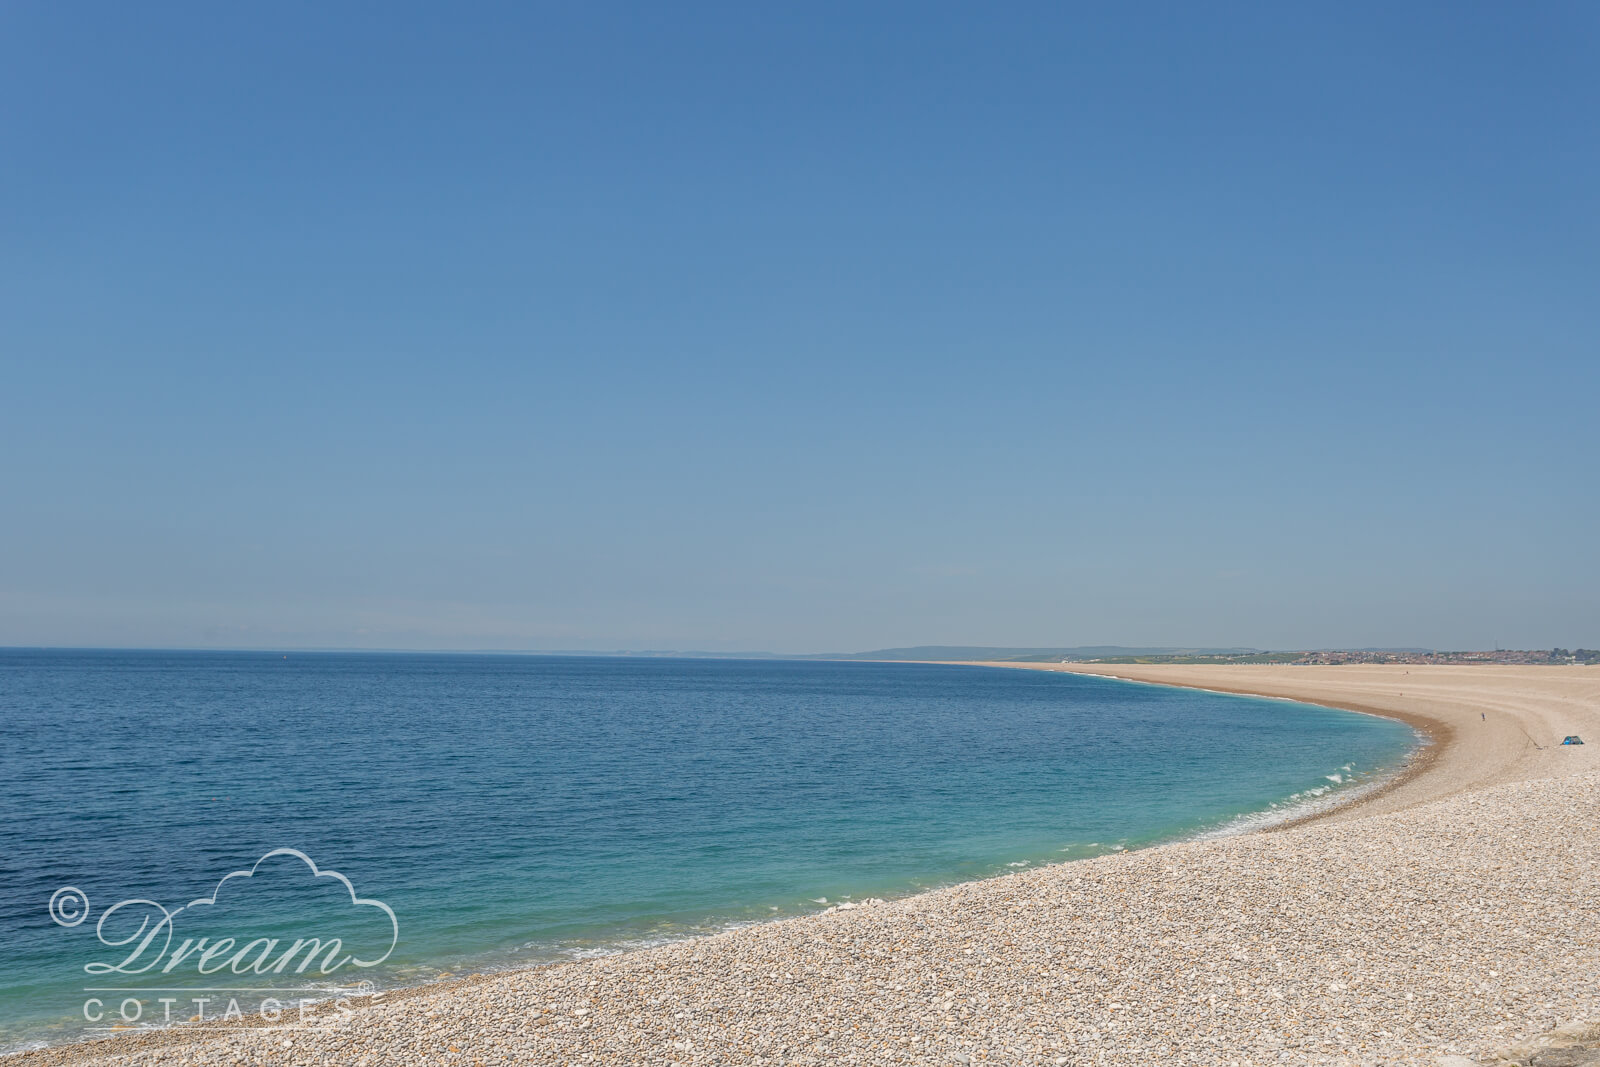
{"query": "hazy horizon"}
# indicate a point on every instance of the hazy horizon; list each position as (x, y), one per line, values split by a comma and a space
(1101, 650)
(730, 329)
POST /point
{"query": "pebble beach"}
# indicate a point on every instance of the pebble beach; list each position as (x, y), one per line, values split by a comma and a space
(1449, 919)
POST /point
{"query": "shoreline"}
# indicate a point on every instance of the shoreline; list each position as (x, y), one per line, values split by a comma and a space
(1436, 733)
(1510, 739)
(1396, 828)
(468, 978)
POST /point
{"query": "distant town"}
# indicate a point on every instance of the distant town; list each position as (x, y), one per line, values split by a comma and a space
(1126, 654)
(1327, 656)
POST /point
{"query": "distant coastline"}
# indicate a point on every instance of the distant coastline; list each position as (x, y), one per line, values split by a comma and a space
(1088, 654)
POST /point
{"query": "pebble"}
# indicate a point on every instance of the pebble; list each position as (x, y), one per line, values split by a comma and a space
(1465, 931)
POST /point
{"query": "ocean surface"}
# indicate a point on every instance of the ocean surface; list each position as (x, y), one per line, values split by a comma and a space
(513, 810)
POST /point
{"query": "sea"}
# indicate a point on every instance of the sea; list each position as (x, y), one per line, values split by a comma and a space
(186, 834)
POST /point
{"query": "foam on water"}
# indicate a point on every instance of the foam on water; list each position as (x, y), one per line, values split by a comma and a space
(517, 811)
(1349, 787)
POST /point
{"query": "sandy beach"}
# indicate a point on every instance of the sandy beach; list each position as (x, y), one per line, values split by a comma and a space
(1490, 724)
(1452, 914)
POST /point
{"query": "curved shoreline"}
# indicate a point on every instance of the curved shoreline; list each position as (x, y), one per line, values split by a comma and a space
(1366, 933)
(1422, 759)
(1416, 762)
(1439, 736)
(1488, 724)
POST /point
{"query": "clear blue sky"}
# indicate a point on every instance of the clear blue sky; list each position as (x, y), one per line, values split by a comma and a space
(808, 329)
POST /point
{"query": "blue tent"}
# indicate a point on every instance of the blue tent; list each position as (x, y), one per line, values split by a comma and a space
(1573, 740)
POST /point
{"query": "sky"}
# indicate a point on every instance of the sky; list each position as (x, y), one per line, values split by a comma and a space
(814, 328)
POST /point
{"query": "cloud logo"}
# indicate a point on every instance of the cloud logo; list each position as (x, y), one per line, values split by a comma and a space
(318, 873)
(209, 954)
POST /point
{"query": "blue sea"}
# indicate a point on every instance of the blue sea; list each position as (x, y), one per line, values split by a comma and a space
(488, 811)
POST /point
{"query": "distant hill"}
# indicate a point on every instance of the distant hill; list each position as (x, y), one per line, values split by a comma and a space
(652, 653)
(931, 653)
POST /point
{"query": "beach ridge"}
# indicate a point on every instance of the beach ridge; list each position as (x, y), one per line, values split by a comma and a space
(1444, 916)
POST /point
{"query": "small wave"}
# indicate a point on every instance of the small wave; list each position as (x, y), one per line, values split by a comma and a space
(615, 948)
(1347, 788)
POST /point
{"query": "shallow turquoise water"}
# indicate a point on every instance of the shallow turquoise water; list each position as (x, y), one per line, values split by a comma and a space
(510, 810)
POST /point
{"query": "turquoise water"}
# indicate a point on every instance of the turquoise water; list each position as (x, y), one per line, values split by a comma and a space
(512, 810)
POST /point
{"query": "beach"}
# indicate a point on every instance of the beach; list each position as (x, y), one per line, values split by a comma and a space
(1450, 914)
